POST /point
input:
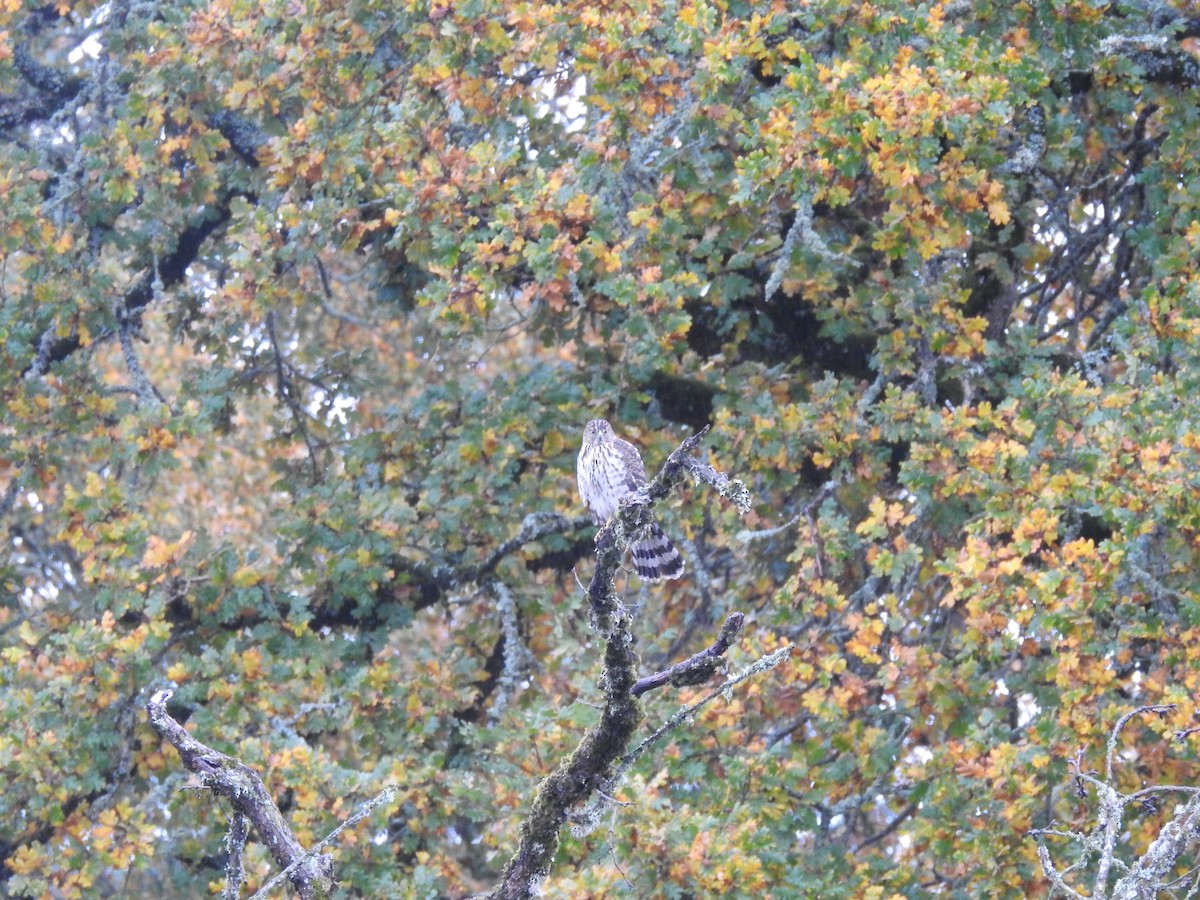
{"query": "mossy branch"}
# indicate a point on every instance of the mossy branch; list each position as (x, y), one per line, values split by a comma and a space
(578, 777)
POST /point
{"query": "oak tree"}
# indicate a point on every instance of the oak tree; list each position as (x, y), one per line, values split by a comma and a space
(304, 305)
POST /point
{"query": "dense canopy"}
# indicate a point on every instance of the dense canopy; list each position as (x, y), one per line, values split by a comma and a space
(305, 304)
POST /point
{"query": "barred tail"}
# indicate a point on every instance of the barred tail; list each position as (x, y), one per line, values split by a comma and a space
(655, 557)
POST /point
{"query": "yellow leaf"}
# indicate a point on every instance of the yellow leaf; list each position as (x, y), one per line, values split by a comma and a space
(875, 519)
(26, 633)
(1010, 566)
(245, 577)
(252, 662)
(94, 486)
(640, 215)
(552, 444)
(160, 553)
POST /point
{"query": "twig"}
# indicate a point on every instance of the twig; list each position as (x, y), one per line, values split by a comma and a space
(586, 819)
(283, 387)
(1121, 723)
(235, 843)
(763, 664)
(387, 795)
(612, 849)
(327, 305)
(891, 826)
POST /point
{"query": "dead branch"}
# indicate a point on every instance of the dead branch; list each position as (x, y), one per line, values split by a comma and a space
(699, 667)
(1150, 873)
(244, 789)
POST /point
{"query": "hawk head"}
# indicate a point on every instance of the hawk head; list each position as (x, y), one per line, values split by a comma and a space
(596, 431)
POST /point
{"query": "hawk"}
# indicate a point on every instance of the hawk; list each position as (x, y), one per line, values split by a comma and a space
(609, 469)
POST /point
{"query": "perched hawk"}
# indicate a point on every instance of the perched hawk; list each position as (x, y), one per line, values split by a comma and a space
(609, 468)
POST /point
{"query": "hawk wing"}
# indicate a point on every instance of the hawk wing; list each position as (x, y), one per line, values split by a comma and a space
(631, 462)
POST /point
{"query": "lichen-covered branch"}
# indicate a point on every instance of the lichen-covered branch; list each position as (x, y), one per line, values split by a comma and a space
(582, 774)
(535, 525)
(1154, 869)
(517, 658)
(1029, 152)
(54, 90)
(235, 844)
(244, 789)
(172, 270)
(1151, 872)
(1158, 55)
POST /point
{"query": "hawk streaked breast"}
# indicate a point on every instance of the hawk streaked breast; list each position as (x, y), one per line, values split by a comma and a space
(610, 468)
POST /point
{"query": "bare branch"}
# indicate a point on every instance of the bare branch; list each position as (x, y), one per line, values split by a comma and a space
(1120, 726)
(699, 667)
(1151, 872)
(312, 876)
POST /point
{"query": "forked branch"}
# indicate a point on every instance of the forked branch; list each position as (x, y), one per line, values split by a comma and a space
(1154, 871)
(312, 876)
(581, 775)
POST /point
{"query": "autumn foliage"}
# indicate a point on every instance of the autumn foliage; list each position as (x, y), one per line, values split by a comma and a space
(305, 304)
